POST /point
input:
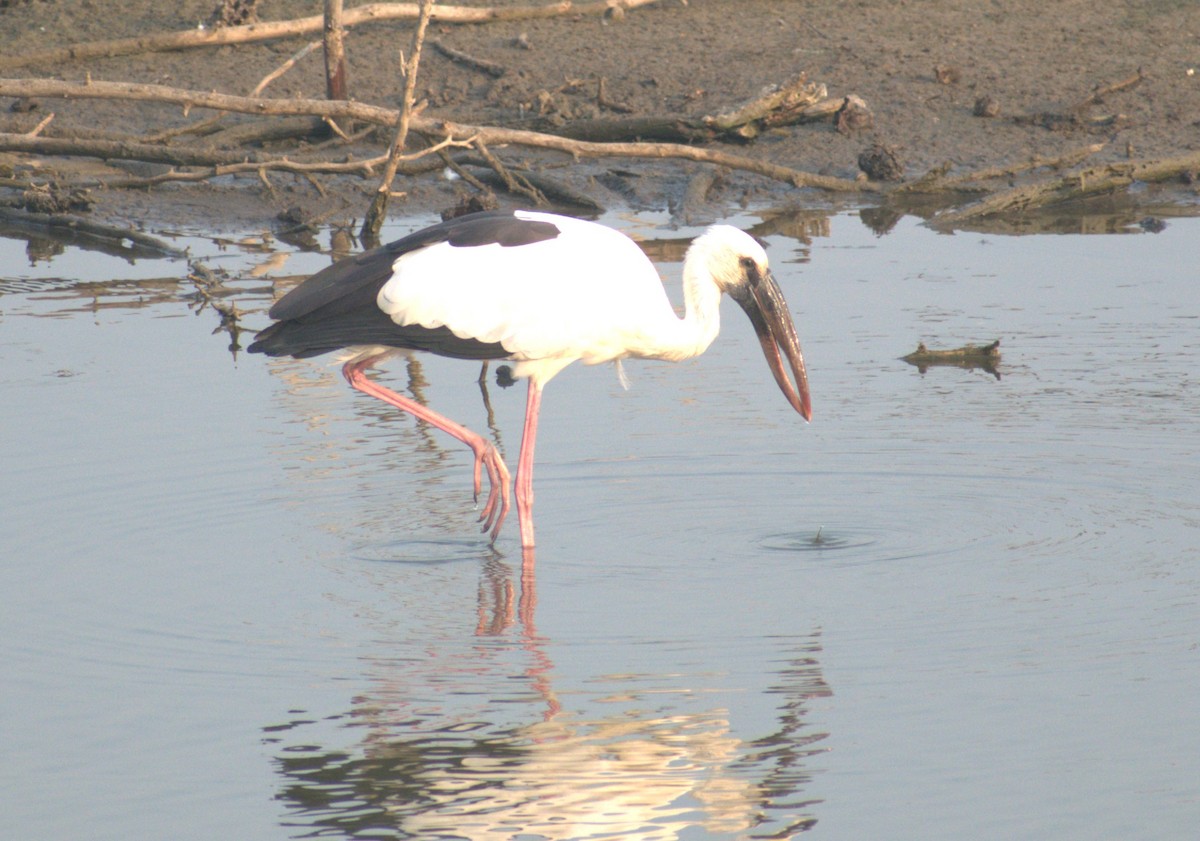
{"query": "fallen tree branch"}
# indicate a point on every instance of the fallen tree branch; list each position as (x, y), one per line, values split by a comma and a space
(189, 99)
(1096, 180)
(490, 135)
(137, 240)
(264, 131)
(923, 355)
(304, 27)
(969, 357)
(213, 162)
(122, 150)
(799, 101)
(780, 106)
(936, 180)
(1075, 118)
(581, 148)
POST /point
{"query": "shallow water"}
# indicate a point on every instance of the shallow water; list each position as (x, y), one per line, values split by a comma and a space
(242, 601)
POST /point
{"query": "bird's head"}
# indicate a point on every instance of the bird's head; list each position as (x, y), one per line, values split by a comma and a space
(738, 265)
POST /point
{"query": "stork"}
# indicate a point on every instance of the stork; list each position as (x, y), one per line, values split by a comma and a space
(538, 289)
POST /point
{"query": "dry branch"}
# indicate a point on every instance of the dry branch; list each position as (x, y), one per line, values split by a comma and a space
(122, 150)
(211, 125)
(1102, 91)
(796, 102)
(188, 99)
(780, 106)
(1097, 180)
(937, 181)
(515, 184)
(373, 220)
(924, 356)
(970, 357)
(489, 67)
(496, 136)
(285, 67)
(98, 230)
(302, 27)
(490, 135)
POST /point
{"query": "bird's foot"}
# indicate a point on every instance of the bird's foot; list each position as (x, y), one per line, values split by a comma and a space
(496, 508)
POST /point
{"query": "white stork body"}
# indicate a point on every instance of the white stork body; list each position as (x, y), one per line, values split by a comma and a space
(539, 289)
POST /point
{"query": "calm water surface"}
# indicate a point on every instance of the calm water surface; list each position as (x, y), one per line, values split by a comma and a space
(240, 600)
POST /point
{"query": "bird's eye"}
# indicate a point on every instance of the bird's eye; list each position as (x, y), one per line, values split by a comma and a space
(750, 268)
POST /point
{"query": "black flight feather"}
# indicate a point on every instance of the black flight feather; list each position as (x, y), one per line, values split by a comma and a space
(337, 307)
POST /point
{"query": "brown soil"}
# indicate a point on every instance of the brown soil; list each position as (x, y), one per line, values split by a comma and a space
(921, 65)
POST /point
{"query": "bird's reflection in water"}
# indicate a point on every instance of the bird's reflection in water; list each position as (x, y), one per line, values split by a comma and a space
(478, 745)
(464, 731)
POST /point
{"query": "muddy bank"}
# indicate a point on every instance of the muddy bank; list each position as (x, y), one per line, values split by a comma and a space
(947, 84)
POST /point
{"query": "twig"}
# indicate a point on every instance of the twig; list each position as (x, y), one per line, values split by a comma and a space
(489, 67)
(603, 101)
(514, 184)
(336, 129)
(444, 143)
(285, 67)
(559, 192)
(373, 220)
(36, 130)
(1102, 91)
(204, 126)
(462, 173)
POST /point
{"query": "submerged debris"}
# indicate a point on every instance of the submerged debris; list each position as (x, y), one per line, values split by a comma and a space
(970, 357)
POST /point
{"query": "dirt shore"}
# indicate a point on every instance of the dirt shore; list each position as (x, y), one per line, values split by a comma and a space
(921, 66)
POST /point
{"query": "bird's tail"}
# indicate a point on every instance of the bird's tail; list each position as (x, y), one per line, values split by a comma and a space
(283, 339)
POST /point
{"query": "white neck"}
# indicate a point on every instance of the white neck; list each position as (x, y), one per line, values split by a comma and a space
(702, 308)
(675, 338)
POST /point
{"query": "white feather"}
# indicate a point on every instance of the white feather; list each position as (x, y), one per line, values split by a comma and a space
(523, 297)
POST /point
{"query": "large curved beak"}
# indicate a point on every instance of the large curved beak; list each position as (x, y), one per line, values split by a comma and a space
(768, 311)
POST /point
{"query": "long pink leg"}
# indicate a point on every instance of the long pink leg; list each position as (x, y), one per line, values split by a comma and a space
(486, 454)
(525, 464)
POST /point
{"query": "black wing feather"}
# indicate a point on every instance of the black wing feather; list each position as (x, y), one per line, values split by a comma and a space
(373, 268)
(337, 307)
